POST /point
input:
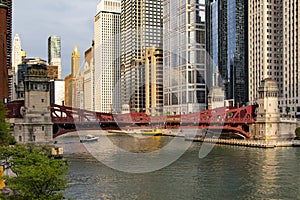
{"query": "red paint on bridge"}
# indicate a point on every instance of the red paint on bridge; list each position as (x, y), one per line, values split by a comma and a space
(68, 119)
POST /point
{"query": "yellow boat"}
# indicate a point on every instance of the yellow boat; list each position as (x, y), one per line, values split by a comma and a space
(118, 131)
(154, 132)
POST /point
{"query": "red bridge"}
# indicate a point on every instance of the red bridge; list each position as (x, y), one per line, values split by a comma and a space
(67, 119)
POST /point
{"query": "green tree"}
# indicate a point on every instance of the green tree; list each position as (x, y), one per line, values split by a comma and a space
(5, 137)
(37, 175)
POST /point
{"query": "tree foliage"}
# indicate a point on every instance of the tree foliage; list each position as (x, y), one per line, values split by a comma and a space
(5, 137)
(37, 175)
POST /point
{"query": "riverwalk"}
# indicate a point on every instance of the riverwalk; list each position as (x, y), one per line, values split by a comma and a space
(247, 142)
(199, 138)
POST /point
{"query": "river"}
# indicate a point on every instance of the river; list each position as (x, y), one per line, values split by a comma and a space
(227, 172)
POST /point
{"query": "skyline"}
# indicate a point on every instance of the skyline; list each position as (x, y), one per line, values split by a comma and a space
(60, 18)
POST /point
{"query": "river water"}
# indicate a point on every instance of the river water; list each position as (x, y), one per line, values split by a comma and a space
(227, 172)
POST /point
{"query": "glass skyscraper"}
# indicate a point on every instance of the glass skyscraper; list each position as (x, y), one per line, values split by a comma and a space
(54, 53)
(212, 41)
(229, 46)
(185, 86)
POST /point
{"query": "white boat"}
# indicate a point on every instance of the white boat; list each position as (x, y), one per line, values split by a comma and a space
(89, 138)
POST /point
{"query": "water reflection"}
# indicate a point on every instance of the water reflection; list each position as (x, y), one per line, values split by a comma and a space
(138, 144)
(228, 172)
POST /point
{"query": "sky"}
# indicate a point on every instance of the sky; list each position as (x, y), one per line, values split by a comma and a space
(72, 20)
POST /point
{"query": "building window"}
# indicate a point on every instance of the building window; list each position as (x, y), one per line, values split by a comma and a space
(43, 128)
(20, 138)
(42, 100)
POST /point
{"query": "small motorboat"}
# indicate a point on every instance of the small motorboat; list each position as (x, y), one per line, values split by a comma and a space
(89, 138)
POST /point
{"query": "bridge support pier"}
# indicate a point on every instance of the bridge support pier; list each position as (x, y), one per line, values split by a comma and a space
(269, 125)
(36, 124)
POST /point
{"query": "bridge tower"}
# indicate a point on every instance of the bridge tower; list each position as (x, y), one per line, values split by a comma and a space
(268, 117)
(36, 125)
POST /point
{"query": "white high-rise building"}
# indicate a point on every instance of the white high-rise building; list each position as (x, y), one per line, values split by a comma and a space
(16, 60)
(107, 56)
(17, 53)
(265, 45)
(290, 102)
(273, 51)
(54, 52)
(185, 86)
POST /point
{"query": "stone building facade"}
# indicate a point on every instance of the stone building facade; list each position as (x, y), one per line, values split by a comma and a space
(36, 125)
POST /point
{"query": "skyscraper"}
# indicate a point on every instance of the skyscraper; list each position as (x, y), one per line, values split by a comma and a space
(76, 78)
(227, 30)
(212, 42)
(70, 80)
(273, 51)
(265, 44)
(3, 53)
(75, 62)
(54, 52)
(290, 103)
(141, 27)
(185, 87)
(150, 69)
(107, 56)
(17, 53)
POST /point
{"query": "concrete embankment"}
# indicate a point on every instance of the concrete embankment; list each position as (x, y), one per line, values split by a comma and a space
(248, 143)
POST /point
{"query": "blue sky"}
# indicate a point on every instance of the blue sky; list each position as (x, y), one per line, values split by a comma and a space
(72, 20)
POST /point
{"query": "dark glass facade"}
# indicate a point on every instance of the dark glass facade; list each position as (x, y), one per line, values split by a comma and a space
(231, 46)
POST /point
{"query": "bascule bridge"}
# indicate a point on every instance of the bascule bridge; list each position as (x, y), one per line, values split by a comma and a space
(35, 120)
